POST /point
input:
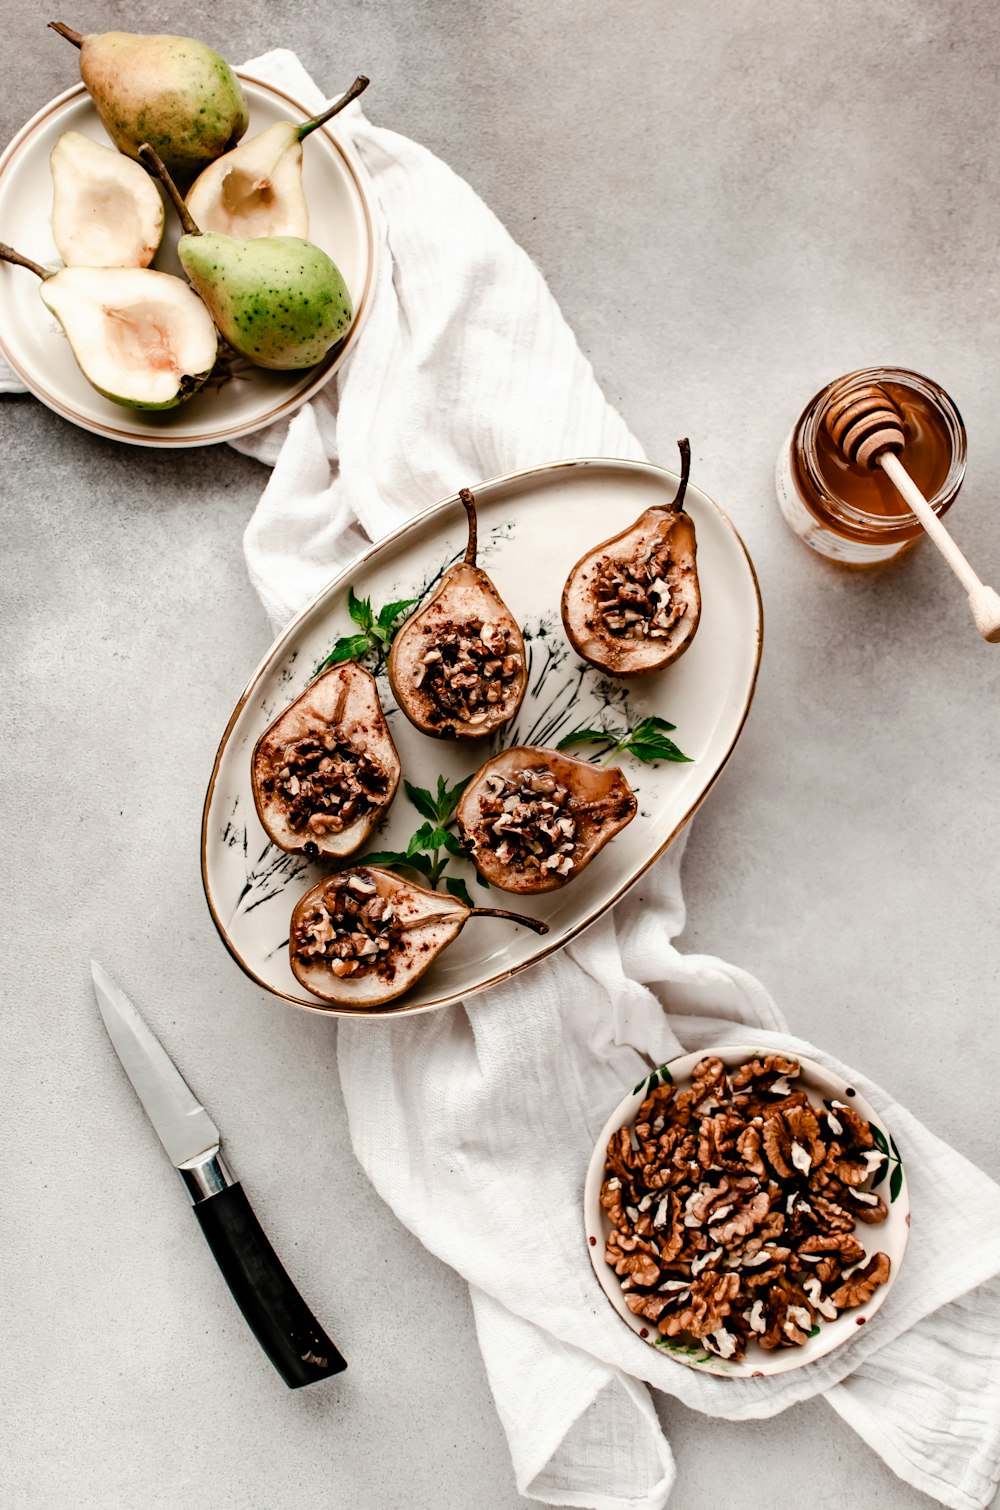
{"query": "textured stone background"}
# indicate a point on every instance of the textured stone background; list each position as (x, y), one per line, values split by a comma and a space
(733, 204)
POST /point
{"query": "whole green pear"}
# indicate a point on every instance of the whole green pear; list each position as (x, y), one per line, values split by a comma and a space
(173, 92)
(278, 300)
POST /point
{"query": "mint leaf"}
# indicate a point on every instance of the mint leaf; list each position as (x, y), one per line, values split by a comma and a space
(453, 844)
(360, 610)
(421, 839)
(458, 889)
(350, 648)
(393, 611)
(655, 749)
(647, 726)
(422, 800)
(448, 800)
(585, 736)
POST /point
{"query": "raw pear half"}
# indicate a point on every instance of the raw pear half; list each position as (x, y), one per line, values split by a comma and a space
(106, 210)
(141, 338)
(421, 924)
(256, 189)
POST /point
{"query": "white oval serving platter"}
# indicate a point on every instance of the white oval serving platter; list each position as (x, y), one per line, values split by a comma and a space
(32, 340)
(533, 527)
(888, 1237)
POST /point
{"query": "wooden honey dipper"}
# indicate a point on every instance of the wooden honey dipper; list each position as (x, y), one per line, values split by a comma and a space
(866, 427)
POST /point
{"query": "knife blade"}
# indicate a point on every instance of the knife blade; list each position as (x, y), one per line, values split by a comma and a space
(276, 1313)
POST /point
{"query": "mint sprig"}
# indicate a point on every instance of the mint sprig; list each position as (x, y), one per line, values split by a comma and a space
(646, 741)
(376, 631)
(433, 844)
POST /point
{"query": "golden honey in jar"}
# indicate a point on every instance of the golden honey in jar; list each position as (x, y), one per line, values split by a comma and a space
(852, 513)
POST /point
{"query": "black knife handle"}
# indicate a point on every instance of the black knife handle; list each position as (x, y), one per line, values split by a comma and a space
(276, 1313)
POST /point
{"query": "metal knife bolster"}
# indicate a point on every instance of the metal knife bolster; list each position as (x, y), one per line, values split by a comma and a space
(206, 1175)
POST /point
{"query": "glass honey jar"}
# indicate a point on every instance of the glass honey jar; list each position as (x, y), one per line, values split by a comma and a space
(852, 513)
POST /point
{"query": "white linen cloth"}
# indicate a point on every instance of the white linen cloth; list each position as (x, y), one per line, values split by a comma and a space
(475, 1124)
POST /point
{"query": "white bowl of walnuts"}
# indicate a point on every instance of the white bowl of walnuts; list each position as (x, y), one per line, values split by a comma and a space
(746, 1211)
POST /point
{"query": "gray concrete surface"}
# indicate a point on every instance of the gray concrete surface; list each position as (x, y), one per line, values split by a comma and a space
(733, 204)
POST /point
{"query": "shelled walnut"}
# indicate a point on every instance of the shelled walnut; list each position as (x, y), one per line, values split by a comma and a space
(526, 821)
(350, 927)
(733, 1205)
(468, 669)
(532, 819)
(636, 599)
(327, 783)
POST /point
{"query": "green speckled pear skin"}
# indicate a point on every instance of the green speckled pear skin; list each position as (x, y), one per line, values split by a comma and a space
(175, 93)
(278, 300)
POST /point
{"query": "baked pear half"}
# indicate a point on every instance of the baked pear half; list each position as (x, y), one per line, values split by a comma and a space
(632, 605)
(457, 666)
(533, 819)
(326, 769)
(364, 936)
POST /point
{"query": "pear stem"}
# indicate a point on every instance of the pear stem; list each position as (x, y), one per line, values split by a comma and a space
(358, 87)
(534, 924)
(8, 254)
(469, 504)
(675, 504)
(430, 918)
(67, 31)
(152, 160)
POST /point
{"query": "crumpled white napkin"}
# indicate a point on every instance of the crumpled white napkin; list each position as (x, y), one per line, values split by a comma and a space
(476, 1123)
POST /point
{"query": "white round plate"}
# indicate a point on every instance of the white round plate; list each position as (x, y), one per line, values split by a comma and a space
(886, 1237)
(31, 338)
(533, 527)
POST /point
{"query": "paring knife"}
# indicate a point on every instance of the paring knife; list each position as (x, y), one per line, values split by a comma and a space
(277, 1315)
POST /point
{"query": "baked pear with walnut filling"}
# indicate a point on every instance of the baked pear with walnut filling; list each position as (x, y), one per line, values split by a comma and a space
(533, 819)
(632, 605)
(326, 769)
(364, 936)
(457, 666)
